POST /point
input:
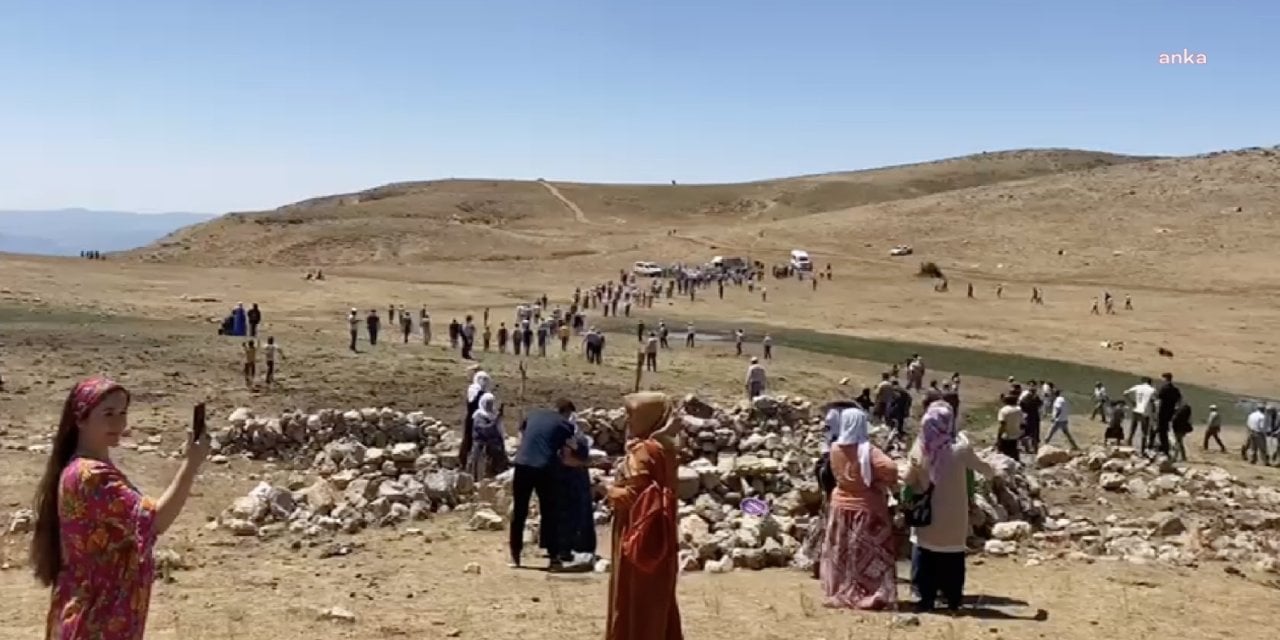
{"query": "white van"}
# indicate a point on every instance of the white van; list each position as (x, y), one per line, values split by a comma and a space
(646, 269)
(800, 260)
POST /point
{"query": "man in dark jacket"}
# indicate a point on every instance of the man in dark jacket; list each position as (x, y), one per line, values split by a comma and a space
(373, 322)
(543, 436)
(255, 318)
(1169, 397)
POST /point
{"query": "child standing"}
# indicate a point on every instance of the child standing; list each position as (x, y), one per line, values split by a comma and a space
(271, 351)
(250, 363)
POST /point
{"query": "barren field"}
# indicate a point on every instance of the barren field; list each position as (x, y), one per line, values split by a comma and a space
(1192, 240)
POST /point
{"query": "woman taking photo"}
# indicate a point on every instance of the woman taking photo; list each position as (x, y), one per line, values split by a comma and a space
(94, 530)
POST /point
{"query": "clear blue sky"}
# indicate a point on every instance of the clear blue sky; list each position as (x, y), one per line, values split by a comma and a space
(246, 104)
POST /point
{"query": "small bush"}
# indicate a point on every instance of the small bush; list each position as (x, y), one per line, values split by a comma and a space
(930, 270)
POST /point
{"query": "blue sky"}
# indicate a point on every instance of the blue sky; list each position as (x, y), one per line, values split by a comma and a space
(242, 104)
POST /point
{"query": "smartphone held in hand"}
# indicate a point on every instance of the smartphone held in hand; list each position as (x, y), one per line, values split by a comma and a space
(198, 422)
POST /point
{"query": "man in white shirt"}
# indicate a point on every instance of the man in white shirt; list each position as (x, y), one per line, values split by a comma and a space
(1141, 394)
(1257, 443)
(1009, 427)
(1061, 413)
(1100, 401)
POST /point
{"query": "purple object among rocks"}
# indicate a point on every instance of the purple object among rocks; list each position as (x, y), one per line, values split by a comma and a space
(755, 507)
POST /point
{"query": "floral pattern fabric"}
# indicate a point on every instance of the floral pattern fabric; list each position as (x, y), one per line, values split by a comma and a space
(108, 531)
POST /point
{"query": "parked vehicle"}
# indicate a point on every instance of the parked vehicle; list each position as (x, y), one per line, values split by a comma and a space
(647, 269)
(901, 250)
(800, 260)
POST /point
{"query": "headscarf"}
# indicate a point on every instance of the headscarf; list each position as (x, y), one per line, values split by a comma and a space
(854, 432)
(480, 383)
(578, 432)
(937, 428)
(648, 415)
(90, 392)
(831, 420)
(486, 411)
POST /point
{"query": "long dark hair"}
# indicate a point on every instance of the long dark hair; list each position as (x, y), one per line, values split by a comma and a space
(46, 545)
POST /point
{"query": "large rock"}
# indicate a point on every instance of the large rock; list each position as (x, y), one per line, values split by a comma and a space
(1049, 456)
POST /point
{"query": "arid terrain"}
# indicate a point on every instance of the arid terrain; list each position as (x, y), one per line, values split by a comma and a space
(1193, 241)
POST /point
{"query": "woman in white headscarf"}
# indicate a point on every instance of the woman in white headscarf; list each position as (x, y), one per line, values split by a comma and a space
(488, 450)
(481, 384)
(858, 559)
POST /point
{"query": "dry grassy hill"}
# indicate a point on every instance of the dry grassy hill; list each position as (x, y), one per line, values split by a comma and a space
(1176, 224)
(503, 220)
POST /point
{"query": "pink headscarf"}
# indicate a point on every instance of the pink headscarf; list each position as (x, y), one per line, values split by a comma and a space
(937, 427)
(91, 391)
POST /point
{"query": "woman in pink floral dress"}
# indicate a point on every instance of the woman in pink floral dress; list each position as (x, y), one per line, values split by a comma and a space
(94, 530)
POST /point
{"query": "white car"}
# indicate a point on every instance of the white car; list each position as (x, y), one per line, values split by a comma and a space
(901, 250)
(647, 269)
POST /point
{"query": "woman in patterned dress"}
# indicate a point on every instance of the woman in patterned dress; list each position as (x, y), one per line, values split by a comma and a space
(94, 530)
(858, 559)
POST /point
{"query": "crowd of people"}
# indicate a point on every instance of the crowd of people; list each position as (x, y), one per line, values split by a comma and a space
(95, 531)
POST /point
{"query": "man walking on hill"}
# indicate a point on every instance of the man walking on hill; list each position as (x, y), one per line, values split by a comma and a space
(737, 341)
(1256, 445)
(1061, 416)
(255, 318)
(373, 323)
(767, 343)
(353, 322)
(271, 351)
(406, 325)
(250, 362)
(1100, 402)
(689, 335)
(882, 396)
(468, 338)
(651, 353)
(755, 379)
(1142, 394)
(1212, 429)
(1169, 397)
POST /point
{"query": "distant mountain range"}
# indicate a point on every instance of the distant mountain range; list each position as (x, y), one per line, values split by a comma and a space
(67, 232)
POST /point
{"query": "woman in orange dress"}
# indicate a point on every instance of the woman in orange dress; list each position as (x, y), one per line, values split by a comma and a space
(642, 587)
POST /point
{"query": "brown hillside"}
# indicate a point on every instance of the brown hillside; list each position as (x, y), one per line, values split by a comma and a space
(504, 220)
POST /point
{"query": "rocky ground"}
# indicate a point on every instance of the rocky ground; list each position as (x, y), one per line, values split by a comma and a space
(346, 471)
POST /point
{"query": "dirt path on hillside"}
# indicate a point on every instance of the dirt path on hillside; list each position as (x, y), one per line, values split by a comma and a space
(577, 211)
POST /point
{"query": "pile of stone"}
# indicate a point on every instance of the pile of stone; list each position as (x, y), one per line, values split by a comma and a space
(1195, 514)
(382, 467)
(297, 436)
(356, 487)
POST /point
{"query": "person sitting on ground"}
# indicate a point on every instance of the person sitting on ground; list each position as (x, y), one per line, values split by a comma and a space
(94, 532)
